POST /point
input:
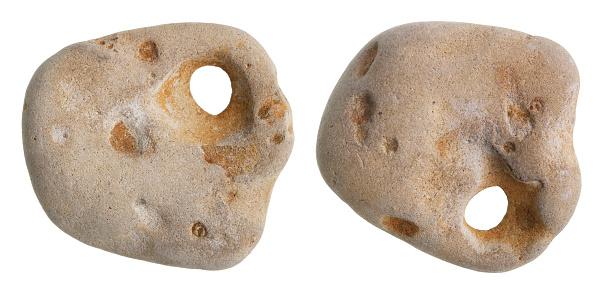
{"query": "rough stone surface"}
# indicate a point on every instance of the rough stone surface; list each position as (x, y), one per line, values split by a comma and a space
(429, 114)
(122, 158)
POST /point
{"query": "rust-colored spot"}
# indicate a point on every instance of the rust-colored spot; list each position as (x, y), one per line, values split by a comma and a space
(363, 64)
(536, 105)
(101, 42)
(147, 51)
(121, 139)
(198, 230)
(277, 138)
(110, 46)
(508, 147)
(362, 108)
(506, 80)
(271, 108)
(446, 144)
(515, 112)
(400, 226)
(390, 145)
(228, 196)
(234, 159)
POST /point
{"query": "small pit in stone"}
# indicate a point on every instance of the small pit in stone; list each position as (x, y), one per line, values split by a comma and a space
(390, 145)
(400, 226)
(363, 64)
(147, 51)
(508, 147)
(360, 111)
(536, 106)
(277, 138)
(199, 230)
(520, 120)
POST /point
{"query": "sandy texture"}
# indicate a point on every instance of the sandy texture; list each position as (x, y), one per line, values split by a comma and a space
(122, 158)
(429, 114)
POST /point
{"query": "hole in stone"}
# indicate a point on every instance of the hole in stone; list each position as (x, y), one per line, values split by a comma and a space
(211, 89)
(486, 209)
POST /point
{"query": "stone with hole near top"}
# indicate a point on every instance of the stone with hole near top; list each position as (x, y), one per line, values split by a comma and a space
(427, 115)
(210, 87)
(122, 158)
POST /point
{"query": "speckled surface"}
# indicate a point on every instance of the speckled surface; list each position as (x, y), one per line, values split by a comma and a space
(429, 114)
(122, 158)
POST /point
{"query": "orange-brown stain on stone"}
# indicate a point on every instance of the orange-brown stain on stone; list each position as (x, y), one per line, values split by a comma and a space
(228, 196)
(516, 113)
(234, 159)
(361, 109)
(193, 123)
(400, 226)
(505, 79)
(521, 226)
(508, 147)
(147, 51)
(520, 120)
(363, 64)
(121, 139)
(271, 108)
(107, 39)
(446, 145)
(536, 105)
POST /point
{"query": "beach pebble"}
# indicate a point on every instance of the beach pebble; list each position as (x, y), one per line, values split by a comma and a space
(429, 114)
(122, 158)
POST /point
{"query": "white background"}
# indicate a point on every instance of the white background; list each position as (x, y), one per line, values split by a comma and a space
(311, 237)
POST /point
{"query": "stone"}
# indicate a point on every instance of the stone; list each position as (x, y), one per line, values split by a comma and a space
(427, 115)
(122, 158)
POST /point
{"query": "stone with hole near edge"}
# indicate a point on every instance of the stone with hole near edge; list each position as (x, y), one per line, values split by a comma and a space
(429, 114)
(122, 158)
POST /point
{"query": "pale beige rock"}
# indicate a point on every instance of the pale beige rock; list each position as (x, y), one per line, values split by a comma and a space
(122, 158)
(429, 114)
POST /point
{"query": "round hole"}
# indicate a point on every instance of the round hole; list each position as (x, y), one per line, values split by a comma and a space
(211, 89)
(487, 209)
